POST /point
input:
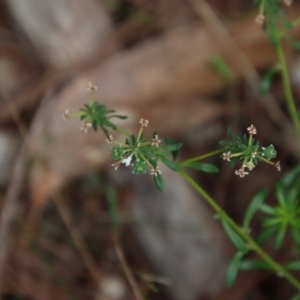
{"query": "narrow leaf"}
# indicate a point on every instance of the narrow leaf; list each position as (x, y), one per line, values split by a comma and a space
(220, 66)
(293, 42)
(235, 239)
(204, 167)
(290, 176)
(159, 182)
(111, 197)
(271, 222)
(254, 206)
(229, 132)
(172, 147)
(266, 82)
(296, 297)
(254, 264)
(280, 195)
(233, 268)
(294, 265)
(296, 236)
(118, 116)
(264, 235)
(169, 163)
(280, 237)
(267, 209)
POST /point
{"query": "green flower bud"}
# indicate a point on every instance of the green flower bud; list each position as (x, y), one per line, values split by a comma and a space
(250, 165)
(269, 152)
(139, 167)
(117, 152)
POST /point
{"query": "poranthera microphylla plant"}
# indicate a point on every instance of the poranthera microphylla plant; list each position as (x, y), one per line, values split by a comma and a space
(145, 155)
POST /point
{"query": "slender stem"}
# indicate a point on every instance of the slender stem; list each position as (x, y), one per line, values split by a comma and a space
(124, 132)
(242, 233)
(287, 89)
(201, 157)
(296, 22)
(128, 273)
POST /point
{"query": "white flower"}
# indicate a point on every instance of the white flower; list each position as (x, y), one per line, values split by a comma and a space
(66, 114)
(226, 156)
(250, 165)
(241, 172)
(127, 160)
(91, 88)
(277, 166)
(85, 126)
(144, 122)
(260, 19)
(155, 171)
(116, 165)
(252, 130)
(155, 141)
(110, 139)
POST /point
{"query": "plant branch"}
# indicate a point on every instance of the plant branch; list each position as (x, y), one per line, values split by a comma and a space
(201, 157)
(278, 269)
(136, 290)
(287, 89)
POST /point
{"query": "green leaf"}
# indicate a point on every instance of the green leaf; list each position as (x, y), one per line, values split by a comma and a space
(294, 265)
(254, 264)
(220, 66)
(119, 117)
(172, 147)
(280, 237)
(273, 35)
(290, 176)
(267, 209)
(293, 42)
(111, 197)
(170, 143)
(293, 191)
(280, 195)
(204, 167)
(254, 206)
(265, 234)
(229, 133)
(159, 182)
(169, 163)
(296, 297)
(233, 268)
(272, 221)
(266, 82)
(296, 236)
(235, 239)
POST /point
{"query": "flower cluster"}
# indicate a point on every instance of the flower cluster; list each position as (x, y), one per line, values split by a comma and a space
(247, 150)
(94, 115)
(142, 154)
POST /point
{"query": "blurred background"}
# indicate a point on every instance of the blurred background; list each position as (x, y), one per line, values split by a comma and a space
(59, 196)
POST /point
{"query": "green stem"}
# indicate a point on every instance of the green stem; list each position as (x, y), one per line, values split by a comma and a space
(296, 22)
(200, 157)
(287, 89)
(122, 131)
(242, 233)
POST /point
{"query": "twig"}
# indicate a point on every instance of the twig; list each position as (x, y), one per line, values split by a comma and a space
(136, 290)
(76, 236)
